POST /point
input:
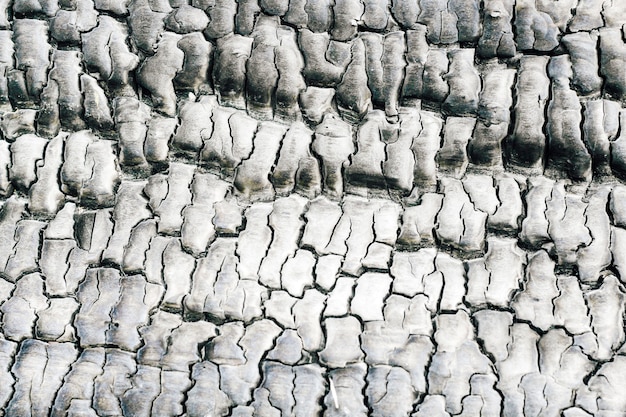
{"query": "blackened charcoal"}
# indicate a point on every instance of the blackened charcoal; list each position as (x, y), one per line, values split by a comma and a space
(527, 144)
(612, 59)
(105, 51)
(566, 150)
(221, 17)
(198, 55)
(229, 70)
(497, 36)
(156, 74)
(32, 53)
(186, 19)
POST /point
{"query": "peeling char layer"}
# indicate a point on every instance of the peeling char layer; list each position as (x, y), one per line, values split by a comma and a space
(460, 225)
(493, 118)
(230, 141)
(252, 177)
(399, 162)
(39, 371)
(566, 151)
(254, 240)
(600, 120)
(289, 64)
(207, 190)
(177, 196)
(177, 270)
(353, 95)
(26, 151)
(105, 51)
(61, 97)
(416, 56)
(229, 71)
(131, 207)
(425, 147)
(46, 197)
(285, 223)
(8, 350)
(535, 302)
(196, 123)
(90, 169)
(6, 188)
(452, 157)
(27, 237)
(507, 215)
(97, 112)
(19, 313)
(131, 117)
(31, 53)
(157, 72)
(612, 50)
(238, 381)
(606, 306)
(618, 149)
(569, 233)
(527, 144)
(497, 36)
(455, 342)
(534, 29)
(366, 165)
(333, 144)
(464, 83)
(595, 257)
(288, 174)
(114, 380)
(78, 384)
(97, 294)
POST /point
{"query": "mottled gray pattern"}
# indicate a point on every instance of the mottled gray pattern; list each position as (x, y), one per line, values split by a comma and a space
(312, 208)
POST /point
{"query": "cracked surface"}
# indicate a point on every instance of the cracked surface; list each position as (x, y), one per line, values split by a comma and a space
(306, 208)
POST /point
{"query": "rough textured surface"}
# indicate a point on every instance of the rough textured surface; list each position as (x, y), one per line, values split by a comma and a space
(312, 208)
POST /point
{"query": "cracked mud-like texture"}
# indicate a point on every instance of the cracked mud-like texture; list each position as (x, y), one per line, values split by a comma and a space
(313, 208)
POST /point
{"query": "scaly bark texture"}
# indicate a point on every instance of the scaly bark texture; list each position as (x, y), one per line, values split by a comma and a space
(312, 208)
